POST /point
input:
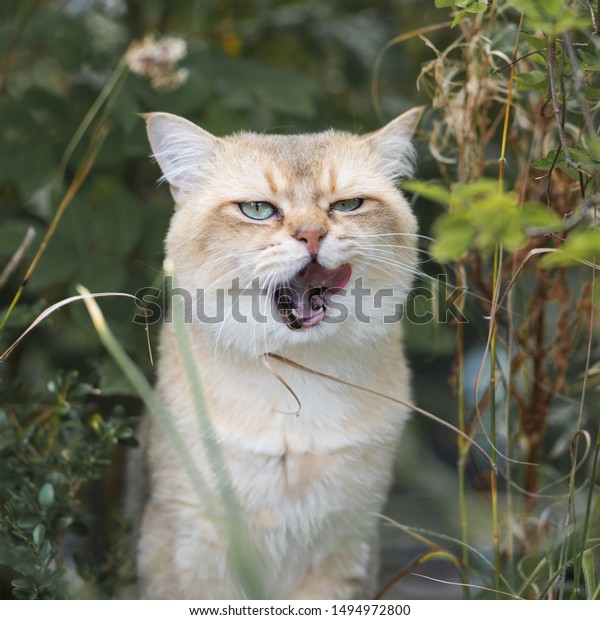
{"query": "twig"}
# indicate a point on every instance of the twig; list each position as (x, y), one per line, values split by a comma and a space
(593, 15)
(508, 104)
(80, 176)
(17, 256)
(516, 60)
(555, 107)
(578, 83)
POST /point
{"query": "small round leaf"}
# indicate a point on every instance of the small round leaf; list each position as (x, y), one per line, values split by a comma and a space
(46, 496)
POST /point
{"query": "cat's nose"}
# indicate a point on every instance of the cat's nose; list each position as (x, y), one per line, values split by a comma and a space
(312, 237)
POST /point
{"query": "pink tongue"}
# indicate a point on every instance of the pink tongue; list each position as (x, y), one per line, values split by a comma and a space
(316, 276)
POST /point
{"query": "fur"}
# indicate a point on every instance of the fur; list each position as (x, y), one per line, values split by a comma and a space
(308, 484)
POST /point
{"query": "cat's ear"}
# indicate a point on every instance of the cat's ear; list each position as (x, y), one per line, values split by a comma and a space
(181, 149)
(394, 143)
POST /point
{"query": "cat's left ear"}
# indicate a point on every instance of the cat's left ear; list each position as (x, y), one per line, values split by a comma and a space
(183, 151)
(394, 143)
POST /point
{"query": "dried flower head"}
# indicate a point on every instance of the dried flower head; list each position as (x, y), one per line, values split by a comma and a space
(156, 59)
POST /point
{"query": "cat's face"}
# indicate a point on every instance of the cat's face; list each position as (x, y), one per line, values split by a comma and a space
(286, 240)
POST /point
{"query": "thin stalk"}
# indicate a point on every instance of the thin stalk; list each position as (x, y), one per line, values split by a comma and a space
(493, 479)
(244, 555)
(508, 447)
(109, 90)
(508, 105)
(495, 525)
(584, 536)
(80, 176)
(463, 451)
(13, 263)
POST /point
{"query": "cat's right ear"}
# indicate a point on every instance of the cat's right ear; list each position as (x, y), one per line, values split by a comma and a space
(181, 149)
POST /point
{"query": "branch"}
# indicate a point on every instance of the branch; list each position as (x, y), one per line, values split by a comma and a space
(593, 16)
(556, 109)
(578, 83)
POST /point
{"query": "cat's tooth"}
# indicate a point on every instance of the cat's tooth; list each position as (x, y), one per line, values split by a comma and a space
(317, 303)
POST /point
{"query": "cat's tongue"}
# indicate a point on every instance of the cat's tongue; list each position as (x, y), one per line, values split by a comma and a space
(316, 276)
(302, 301)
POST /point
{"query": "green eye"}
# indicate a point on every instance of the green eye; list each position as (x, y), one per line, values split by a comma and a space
(256, 210)
(350, 204)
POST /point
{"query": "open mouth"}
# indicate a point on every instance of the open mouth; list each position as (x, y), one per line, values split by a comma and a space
(302, 302)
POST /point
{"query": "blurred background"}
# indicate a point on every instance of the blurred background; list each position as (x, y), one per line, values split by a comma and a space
(263, 65)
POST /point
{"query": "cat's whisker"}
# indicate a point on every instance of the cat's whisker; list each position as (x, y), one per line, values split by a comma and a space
(388, 234)
(392, 248)
(427, 277)
(395, 265)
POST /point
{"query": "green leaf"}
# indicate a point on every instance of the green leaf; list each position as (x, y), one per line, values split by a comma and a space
(546, 162)
(550, 16)
(459, 17)
(21, 584)
(56, 266)
(536, 215)
(103, 273)
(454, 234)
(592, 94)
(581, 246)
(442, 4)
(588, 62)
(472, 6)
(539, 9)
(537, 43)
(577, 155)
(34, 164)
(28, 521)
(46, 496)
(534, 80)
(64, 522)
(118, 216)
(431, 191)
(46, 549)
(589, 573)
(39, 533)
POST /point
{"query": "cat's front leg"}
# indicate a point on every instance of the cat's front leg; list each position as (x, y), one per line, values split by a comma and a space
(347, 574)
(180, 555)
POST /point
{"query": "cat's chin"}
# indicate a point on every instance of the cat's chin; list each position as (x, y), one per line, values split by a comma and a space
(302, 301)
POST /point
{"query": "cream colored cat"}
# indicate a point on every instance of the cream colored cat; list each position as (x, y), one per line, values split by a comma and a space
(304, 224)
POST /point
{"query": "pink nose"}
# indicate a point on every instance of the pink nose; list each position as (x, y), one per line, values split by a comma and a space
(312, 238)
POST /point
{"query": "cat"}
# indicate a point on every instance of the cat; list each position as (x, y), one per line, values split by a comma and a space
(315, 226)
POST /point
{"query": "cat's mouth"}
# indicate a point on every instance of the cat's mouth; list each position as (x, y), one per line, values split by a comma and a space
(302, 301)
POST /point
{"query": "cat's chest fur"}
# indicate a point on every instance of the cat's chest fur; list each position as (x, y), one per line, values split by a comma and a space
(283, 442)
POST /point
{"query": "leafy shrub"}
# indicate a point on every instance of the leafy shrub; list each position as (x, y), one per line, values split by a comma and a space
(51, 449)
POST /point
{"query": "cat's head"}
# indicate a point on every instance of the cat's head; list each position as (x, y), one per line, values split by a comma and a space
(284, 240)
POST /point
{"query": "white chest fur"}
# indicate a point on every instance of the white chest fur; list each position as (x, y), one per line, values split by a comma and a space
(307, 482)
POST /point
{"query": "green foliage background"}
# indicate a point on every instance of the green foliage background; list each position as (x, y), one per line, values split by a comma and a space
(297, 66)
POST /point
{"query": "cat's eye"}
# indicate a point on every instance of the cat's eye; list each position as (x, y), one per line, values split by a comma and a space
(349, 204)
(257, 210)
